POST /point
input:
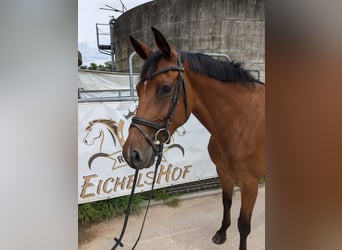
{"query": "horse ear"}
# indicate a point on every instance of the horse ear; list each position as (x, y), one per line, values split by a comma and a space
(162, 43)
(142, 50)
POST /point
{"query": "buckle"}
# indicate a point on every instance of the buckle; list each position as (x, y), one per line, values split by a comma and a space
(165, 132)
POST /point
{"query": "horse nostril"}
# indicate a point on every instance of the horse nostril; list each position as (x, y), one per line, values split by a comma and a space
(135, 156)
(135, 159)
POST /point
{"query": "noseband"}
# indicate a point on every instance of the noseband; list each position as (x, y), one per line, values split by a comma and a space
(164, 127)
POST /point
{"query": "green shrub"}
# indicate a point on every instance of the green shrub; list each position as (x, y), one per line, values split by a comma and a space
(100, 210)
(262, 180)
(172, 202)
(168, 199)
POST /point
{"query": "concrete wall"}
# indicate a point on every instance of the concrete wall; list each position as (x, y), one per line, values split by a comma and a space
(232, 27)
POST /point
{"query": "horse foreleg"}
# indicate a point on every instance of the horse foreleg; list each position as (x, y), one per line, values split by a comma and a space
(248, 197)
(227, 193)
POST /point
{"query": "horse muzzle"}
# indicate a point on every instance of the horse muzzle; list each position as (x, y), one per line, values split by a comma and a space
(138, 156)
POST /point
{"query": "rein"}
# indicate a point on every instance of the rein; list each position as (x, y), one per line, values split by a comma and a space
(155, 142)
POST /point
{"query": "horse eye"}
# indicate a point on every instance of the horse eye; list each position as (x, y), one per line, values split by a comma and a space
(166, 89)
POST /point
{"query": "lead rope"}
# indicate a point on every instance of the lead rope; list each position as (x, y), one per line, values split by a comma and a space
(151, 194)
(118, 241)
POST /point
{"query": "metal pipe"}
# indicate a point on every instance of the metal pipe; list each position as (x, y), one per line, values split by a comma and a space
(219, 55)
(130, 67)
(107, 99)
(112, 45)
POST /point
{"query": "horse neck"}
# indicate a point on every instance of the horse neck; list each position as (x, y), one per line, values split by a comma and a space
(215, 104)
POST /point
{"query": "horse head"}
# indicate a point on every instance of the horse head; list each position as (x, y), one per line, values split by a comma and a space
(165, 101)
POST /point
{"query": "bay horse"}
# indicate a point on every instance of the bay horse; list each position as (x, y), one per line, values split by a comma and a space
(224, 97)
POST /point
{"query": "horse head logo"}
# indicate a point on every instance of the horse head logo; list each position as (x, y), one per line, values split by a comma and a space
(105, 133)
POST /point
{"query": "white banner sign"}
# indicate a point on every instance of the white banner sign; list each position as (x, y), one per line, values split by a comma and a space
(102, 170)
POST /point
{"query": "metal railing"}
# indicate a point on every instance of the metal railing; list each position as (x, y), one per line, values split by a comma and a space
(116, 95)
(130, 94)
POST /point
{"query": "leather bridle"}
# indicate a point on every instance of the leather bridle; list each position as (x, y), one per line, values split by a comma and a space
(163, 129)
(155, 142)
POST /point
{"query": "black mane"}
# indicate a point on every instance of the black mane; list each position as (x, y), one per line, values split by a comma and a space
(224, 71)
(203, 64)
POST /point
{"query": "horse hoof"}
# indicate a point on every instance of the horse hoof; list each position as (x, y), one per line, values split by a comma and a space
(219, 238)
